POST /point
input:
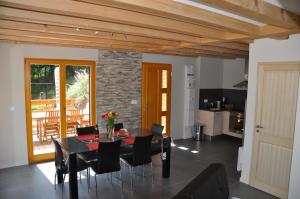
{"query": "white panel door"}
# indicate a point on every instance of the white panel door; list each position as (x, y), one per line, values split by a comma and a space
(275, 125)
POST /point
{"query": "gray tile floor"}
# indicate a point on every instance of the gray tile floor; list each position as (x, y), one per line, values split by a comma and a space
(36, 181)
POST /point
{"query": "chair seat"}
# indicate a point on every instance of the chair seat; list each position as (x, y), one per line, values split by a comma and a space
(99, 169)
(80, 166)
(126, 151)
(90, 156)
(129, 160)
(156, 148)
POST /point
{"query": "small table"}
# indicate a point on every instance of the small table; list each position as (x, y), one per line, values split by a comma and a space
(73, 146)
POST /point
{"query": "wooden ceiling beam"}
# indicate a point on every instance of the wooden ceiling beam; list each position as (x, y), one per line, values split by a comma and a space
(221, 50)
(34, 27)
(70, 43)
(259, 10)
(232, 45)
(207, 53)
(44, 35)
(179, 11)
(115, 15)
(96, 25)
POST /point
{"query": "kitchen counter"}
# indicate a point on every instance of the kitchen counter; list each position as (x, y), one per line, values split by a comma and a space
(217, 122)
(220, 110)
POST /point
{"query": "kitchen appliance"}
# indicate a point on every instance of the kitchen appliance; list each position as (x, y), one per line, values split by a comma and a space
(236, 122)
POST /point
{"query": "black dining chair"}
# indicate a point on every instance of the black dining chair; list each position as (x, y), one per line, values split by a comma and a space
(108, 159)
(157, 129)
(89, 155)
(141, 155)
(87, 130)
(156, 145)
(61, 164)
(118, 126)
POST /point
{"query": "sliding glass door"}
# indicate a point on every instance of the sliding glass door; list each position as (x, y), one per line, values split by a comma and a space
(60, 96)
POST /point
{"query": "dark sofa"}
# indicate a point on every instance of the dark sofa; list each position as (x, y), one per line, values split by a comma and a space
(209, 184)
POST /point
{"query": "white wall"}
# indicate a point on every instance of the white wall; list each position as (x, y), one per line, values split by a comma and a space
(177, 92)
(13, 144)
(233, 72)
(269, 50)
(221, 73)
(211, 73)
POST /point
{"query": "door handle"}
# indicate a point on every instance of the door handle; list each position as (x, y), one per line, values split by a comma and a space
(259, 127)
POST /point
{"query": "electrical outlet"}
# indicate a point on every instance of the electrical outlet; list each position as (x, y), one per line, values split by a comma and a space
(205, 100)
(133, 102)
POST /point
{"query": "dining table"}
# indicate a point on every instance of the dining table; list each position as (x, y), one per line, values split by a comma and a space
(84, 143)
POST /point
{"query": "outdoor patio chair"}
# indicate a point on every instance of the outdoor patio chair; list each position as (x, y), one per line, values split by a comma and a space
(74, 120)
(51, 125)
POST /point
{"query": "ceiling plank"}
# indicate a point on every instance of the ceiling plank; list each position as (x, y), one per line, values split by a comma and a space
(232, 45)
(64, 42)
(74, 38)
(212, 53)
(34, 27)
(221, 50)
(179, 11)
(116, 15)
(96, 25)
(259, 10)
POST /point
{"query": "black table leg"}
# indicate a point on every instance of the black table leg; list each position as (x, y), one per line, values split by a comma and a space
(166, 157)
(73, 186)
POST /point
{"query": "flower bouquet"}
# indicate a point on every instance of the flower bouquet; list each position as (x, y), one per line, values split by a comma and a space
(109, 119)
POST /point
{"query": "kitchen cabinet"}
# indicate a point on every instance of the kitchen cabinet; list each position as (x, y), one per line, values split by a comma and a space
(215, 122)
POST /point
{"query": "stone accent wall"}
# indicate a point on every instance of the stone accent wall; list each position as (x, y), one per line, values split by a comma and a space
(118, 82)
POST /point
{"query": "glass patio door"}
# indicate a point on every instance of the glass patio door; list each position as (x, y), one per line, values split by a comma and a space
(60, 96)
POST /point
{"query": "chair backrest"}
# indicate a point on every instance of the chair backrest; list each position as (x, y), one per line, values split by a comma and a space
(109, 156)
(74, 114)
(142, 150)
(157, 130)
(118, 126)
(52, 116)
(59, 157)
(87, 130)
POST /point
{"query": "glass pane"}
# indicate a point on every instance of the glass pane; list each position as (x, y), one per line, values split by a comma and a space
(164, 102)
(45, 106)
(77, 97)
(164, 123)
(164, 78)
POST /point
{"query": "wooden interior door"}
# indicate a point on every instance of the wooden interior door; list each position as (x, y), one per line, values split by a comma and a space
(156, 95)
(275, 125)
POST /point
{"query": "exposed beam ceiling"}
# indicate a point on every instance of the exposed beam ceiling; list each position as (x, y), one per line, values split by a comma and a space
(259, 10)
(179, 11)
(154, 26)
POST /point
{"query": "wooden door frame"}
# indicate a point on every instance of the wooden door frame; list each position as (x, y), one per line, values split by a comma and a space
(260, 68)
(62, 70)
(169, 89)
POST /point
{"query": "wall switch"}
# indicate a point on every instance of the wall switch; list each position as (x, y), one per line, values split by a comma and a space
(205, 100)
(133, 102)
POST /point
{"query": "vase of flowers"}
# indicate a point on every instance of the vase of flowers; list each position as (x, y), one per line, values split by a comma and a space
(109, 119)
